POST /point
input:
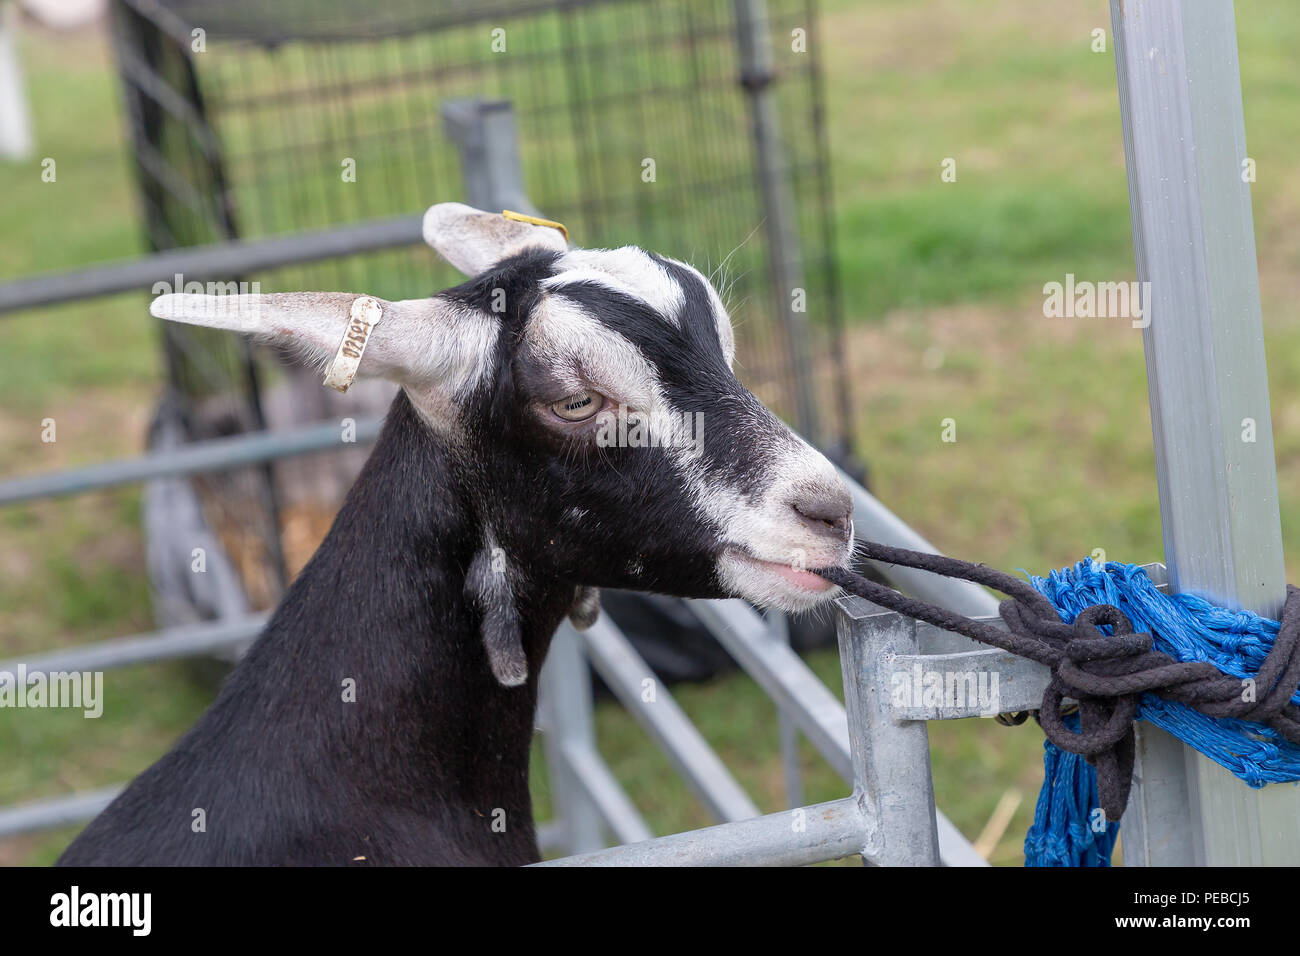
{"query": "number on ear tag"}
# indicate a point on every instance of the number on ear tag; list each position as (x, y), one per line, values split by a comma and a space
(365, 315)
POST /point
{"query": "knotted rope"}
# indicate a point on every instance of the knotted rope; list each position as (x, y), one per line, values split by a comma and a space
(1105, 671)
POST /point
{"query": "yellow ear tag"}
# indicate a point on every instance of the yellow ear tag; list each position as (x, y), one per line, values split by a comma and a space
(520, 217)
(365, 315)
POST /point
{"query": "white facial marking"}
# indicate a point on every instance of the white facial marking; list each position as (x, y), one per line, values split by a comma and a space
(726, 337)
(628, 270)
(568, 338)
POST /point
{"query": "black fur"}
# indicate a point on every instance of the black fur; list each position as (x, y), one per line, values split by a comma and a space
(412, 772)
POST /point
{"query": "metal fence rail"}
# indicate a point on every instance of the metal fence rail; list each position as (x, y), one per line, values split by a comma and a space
(219, 261)
(890, 819)
(175, 643)
(826, 831)
(623, 669)
(216, 454)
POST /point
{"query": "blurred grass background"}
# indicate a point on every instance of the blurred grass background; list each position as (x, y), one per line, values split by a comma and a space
(943, 288)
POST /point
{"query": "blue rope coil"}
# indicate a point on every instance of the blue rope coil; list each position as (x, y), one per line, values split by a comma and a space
(1066, 831)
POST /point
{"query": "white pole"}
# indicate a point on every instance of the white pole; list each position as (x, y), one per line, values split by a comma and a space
(1189, 195)
(16, 139)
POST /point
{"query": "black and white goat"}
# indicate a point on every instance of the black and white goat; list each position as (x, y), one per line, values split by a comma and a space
(385, 714)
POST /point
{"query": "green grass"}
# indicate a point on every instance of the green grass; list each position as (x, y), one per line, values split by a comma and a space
(943, 287)
(972, 242)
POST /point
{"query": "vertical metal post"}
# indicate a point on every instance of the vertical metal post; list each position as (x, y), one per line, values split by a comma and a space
(16, 140)
(485, 132)
(891, 758)
(781, 223)
(778, 626)
(565, 691)
(1193, 236)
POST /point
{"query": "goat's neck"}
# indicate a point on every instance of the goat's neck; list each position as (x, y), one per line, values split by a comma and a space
(383, 603)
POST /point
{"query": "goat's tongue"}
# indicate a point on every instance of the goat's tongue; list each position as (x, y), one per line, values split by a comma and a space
(808, 580)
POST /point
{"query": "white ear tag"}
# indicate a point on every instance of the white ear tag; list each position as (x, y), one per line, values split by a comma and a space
(365, 315)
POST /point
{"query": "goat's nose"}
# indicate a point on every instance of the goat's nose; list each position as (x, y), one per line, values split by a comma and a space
(826, 511)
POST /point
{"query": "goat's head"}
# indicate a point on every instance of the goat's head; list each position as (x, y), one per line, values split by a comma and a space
(588, 400)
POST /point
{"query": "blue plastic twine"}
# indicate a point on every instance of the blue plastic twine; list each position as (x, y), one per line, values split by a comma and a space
(1067, 829)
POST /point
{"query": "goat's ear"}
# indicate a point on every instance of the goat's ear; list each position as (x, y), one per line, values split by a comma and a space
(473, 241)
(413, 342)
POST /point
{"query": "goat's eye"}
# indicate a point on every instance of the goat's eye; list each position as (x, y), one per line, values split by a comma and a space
(579, 407)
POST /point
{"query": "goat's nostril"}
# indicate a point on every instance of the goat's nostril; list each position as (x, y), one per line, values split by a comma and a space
(829, 512)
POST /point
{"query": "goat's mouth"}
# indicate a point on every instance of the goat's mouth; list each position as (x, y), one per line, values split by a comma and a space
(786, 585)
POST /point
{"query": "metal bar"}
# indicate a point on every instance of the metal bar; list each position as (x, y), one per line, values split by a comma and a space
(566, 712)
(164, 18)
(825, 831)
(217, 454)
(784, 677)
(138, 73)
(189, 640)
(791, 771)
(954, 848)
(55, 812)
(780, 221)
(1002, 682)
(17, 141)
(643, 694)
(1194, 243)
(485, 132)
(891, 757)
(550, 836)
(219, 261)
(182, 190)
(606, 793)
(872, 521)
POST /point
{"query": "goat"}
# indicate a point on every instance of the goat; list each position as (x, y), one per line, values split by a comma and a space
(385, 714)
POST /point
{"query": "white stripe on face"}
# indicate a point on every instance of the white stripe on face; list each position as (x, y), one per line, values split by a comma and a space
(582, 352)
(720, 317)
(634, 273)
(627, 270)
